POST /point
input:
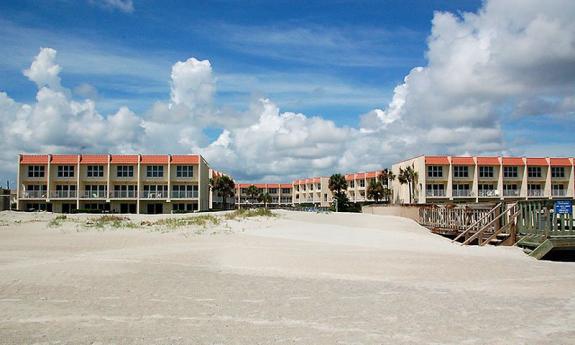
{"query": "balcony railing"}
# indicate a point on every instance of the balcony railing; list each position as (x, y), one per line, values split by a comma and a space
(435, 193)
(185, 194)
(461, 193)
(154, 195)
(559, 192)
(63, 194)
(488, 193)
(94, 194)
(34, 194)
(123, 194)
(535, 192)
(511, 192)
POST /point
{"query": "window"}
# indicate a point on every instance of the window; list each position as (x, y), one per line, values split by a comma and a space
(461, 190)
(286, 191)
(487, 190)
(434, 171)
(558, 172)
(185, 171)
(155, 171)
(125, 171)
(486, 172)
(272, 190)
(95, 191)
(155, 191)
(558, 190)
(510, 172)
(65, 171)
(534, 190)
(435, 190)
(361, 183)
(351, 184)
(534, 172)
(185, 191)
(460, 171)
(36, 171)
(318, 186)
(95, 171)
(510, 189)
(183, 208)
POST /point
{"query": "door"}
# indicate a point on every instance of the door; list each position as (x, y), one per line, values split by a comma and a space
(159, 209)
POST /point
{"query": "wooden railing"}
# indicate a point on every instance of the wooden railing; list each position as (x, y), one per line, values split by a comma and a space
(539, 218)
(453, 217)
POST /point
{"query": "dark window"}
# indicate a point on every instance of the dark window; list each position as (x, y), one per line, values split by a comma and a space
(558, 172)
(510, 172)
(95, 171)
(125, 171)
(460, 171)
(65, 171)
(36, 171)
(486, 172)
(434, 171)
(534, 171)
(155, 171)
(185, 171)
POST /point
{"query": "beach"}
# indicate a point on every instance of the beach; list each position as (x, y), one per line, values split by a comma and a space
(293, 278)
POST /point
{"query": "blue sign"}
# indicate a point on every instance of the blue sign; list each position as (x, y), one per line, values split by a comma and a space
(564, 207)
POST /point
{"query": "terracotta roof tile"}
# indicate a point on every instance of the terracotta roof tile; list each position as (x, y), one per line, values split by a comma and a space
(437, 160)
(34, 159)
(462, 160)
(64, 159)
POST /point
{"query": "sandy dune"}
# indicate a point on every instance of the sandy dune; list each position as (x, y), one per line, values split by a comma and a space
(297, 278)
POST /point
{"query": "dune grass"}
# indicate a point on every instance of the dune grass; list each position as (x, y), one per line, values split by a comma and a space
(248, 213)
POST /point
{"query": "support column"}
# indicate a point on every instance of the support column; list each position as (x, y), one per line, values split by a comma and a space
(18, 179)
(138, 186)
(48, 179)
(78, 183)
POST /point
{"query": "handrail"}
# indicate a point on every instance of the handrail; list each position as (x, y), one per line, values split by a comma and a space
(477, 222)
(498, 231)
(476, 234)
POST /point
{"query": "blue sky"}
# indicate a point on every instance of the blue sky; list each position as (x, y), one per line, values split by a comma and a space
(275, 90)
(304, 55)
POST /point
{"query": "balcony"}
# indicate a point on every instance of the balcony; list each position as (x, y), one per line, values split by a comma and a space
(489, 193)
(535, 192)
(34, 194)
(94, 194)
(123, 194)
(559, 192)
(184, 194)
(154, 195)
(511, 192)
(462, 193)
(63, 194)
(435, 193)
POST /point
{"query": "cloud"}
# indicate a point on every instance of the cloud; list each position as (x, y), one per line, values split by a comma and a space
(120, 5)
(483, 70)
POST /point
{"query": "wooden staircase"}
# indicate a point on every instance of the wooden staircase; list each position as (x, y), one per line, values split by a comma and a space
(497, 227)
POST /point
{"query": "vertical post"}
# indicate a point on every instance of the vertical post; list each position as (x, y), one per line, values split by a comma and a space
(138, 185)
(18, 182)
(170, 177)
(199, 183)
(108, 179)
(48, 179)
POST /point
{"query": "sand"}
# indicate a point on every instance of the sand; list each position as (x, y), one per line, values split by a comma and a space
(298, 278)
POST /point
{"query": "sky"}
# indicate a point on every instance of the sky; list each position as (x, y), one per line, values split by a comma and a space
(276, 90)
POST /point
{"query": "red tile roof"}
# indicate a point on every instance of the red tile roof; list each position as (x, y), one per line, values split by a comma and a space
(185, 159)
(359, 176)
(124, 159)
(560, 162)
(34, 159)
(64, 159)
(537, 162)
(94, 159)
(349, 177)
(285, 185)
(462, 160)
(513, 161)
(371, 174)
(316, 180)
(488, 161)
(155, 159)
(437, 160)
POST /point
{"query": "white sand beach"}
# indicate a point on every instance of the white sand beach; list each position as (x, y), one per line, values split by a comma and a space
(297, 278)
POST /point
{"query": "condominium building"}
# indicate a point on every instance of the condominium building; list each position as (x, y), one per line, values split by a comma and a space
(313, 191)
(114, 183)
(281, 194)
(216, 200)
(476, 179)
(357, 184)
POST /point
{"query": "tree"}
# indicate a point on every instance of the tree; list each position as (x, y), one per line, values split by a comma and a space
(375, 191)
(266, 198)
(386, 177)
(253, 193)
(408, 176)
(337, 184)
(224, 186)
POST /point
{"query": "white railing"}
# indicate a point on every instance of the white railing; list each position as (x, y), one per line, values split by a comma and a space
(34, 194)
(511, 192)
(535, 192)
(461, 193)
(63, 194)
(154, 195)
(185, 194)
(434, 193)
(558, 192)
(489, 193)
(94, 194)
(123, 194)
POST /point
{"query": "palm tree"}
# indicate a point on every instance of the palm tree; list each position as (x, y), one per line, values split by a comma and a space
(408, 176)
(386, 177)
(265, 198)
(337, 184)
(375, 191)
(224, 186)
(253, 193)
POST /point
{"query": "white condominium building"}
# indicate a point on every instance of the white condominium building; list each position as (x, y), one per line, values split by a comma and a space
(476, 179)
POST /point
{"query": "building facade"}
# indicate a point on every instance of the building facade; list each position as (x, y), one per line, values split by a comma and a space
(114, 183)
(217, 201)
(357, 184)
(312, 191)
(281, 194)
(481, 179)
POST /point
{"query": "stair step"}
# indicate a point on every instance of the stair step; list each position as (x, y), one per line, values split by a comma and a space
(495, 241)
(503, 235)
(527, 250)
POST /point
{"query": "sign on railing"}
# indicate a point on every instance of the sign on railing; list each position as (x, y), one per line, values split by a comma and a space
(563, 207)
